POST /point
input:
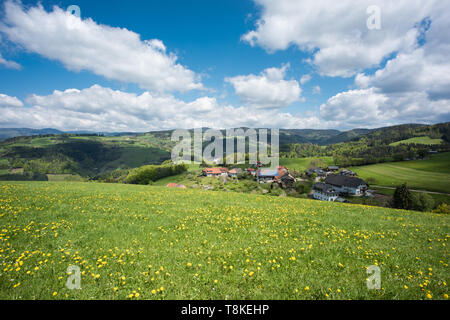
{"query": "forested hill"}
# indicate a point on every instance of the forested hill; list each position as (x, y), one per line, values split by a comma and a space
(91, 154)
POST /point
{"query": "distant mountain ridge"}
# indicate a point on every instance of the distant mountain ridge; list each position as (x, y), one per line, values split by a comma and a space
(287, 136)
(6, 133)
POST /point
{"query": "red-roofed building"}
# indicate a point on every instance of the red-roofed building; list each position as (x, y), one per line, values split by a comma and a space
(174, 185)
(215, 172)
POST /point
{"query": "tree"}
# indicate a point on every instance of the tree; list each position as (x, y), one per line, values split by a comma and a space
(403, 198)
(422, 202)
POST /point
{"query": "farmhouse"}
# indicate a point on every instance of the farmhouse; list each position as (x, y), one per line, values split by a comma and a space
(233, 173)
(319, 172)
(251, 171)
(266, 175)
(286, 181)
(349, 173)
(325, 192)
(215, 172)
(333, 168)
(271, 175)
(346, 184)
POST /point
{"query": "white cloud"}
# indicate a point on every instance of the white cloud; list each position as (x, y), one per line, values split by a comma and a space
(336, 33)
(305, 78)
(369, 108)
(267, 90)
(416, 83)
(316, 90)
(114, 53)
(9, 64)
(9, 102)
(103, 109)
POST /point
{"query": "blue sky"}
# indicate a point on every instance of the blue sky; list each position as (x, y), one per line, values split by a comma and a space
(209, 39)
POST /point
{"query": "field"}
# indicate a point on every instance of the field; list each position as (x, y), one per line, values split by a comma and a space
(419, 140)
(142, 242)
(432, 174)
(301, 164)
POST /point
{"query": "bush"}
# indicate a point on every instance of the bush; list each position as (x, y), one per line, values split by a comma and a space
(422, 202)
(151, 173)
(443, 208)
(303, 188)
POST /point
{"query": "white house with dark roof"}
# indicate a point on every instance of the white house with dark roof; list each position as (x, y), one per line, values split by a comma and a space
(325, 192)
(347, 184)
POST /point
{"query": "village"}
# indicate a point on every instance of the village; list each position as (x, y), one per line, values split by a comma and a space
(331, 184)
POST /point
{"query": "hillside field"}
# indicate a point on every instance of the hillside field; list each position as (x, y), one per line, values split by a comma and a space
(301, 164)
(432, 174)
(418, 140)
(146, 242)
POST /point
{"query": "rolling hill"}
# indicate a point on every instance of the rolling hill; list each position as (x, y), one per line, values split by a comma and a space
(432, 174)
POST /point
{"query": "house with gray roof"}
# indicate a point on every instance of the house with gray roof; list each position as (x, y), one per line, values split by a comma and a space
(347, 184)
(325, 192)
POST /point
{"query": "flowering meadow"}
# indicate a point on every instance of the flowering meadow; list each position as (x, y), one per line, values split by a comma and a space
(142, 242)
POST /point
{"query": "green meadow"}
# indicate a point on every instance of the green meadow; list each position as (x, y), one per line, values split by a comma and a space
(147, 242)
(301, 164)
(432, 174)
(419, 140)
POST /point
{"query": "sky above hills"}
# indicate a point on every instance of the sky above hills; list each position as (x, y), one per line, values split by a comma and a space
(148, 65)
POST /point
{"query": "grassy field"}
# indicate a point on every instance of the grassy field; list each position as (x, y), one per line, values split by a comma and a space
(438, 198)
(64, 177)
(432, 174)
(142, 242)
(418, 140)
(301, 164)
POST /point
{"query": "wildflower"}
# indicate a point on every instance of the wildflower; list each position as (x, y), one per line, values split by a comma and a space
(306, 288)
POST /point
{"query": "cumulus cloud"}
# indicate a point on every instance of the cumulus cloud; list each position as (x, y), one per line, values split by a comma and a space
(410, 51)
(415, 84)
(371, 108)
(9, 102)
(103, 109)
(336, 32)
(267, 90)
(82, 44)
